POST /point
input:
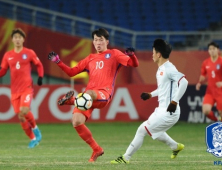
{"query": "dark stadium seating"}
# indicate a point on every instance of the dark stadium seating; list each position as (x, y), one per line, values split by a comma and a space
(142, 15)
(137, 15)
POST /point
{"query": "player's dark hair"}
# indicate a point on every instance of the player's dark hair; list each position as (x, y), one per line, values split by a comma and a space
(213, 44)
(163, 47)
(101, 32)
(19, 31)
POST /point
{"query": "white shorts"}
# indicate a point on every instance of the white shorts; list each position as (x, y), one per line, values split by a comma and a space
(160, 121)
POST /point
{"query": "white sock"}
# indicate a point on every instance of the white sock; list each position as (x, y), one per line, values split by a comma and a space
(165, 138)
(35, 127)
(136, 143)
(34, 138)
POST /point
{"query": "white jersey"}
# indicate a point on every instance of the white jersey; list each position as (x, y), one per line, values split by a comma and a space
(168, 78)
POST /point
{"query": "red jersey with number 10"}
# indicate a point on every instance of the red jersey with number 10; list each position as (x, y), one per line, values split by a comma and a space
(213, 72)
(103, 68)
(20, 69)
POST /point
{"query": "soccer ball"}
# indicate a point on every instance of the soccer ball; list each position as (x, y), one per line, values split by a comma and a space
(83, 101)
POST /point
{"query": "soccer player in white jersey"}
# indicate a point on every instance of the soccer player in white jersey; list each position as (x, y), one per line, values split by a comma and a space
(171, 86)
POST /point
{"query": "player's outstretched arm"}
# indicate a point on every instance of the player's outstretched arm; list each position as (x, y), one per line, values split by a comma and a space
(69, 71)
(133, 62)
(3, 71)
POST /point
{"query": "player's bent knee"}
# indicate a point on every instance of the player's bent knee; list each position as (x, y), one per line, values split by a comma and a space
(76, 123)
(78, 119)
(21, 117)
(206, 112)
(24, 110)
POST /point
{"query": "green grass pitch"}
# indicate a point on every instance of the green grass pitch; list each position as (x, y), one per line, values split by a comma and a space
(62, 149)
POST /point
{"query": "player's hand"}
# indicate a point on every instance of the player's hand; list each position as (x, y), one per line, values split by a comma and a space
(198, 86)
(130, 51)
(172, 107)
(54, 57)
(39, 82)
(145, 96)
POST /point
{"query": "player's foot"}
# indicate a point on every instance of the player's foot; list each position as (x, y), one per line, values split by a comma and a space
(68, 99)
(33, 143)
(119, 160)
(38, 134)
(180, 147)
(98, 152)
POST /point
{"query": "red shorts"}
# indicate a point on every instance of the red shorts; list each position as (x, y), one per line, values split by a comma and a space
(21, 100)
(209, 99)
(103, 98)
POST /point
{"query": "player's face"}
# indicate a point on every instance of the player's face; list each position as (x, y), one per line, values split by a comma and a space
(100, 43)
(213, 51)
(156, 56)
(17, 40)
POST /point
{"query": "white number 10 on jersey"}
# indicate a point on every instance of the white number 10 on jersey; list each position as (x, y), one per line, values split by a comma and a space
(99, 64)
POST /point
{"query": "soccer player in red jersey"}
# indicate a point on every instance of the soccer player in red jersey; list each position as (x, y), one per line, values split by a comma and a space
(19, 62)
(211, 70)
(102, 68)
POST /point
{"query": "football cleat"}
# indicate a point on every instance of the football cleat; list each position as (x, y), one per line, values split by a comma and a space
(96, 154)
(120, 160)
(38, 134)
(68, 99)
(33, 143)
(180, 147)
(219, 119)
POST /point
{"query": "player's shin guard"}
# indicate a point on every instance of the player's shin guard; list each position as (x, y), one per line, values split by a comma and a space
(86, 135)
(30, 118)
(28, 130)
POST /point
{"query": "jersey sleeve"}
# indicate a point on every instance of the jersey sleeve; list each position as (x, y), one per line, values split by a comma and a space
(34, 57)
(203, 70)
(174, 74)
(121, 57)
(80, 67)
(4, 63)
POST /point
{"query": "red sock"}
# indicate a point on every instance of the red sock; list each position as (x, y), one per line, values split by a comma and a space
(86, 135)
(30, 118)
(27, 128)
(211, 116)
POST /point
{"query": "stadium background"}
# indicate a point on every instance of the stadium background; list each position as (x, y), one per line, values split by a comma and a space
(65, 27)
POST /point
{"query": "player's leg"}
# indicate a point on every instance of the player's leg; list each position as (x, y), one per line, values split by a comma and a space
(219, 107)
(134, 145)
(176, 147)
(208, 103)
(27, 114)
(78, 121)
(144, 129)
(24, 123)
(68, 99)
(100, 100)
(165, 122)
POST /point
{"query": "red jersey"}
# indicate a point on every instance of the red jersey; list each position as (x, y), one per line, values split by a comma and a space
(103, 69)
(213, 71)
(20, 69)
